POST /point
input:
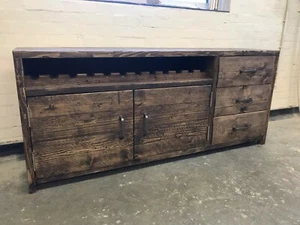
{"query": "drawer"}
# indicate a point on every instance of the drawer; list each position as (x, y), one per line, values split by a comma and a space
(240, 128)
(246, 70)
(242, 99)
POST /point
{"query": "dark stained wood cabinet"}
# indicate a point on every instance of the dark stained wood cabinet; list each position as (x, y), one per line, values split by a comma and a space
(86, 110)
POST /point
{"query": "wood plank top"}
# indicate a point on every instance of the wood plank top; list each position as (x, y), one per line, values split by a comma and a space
(78, 52)
(89, 88)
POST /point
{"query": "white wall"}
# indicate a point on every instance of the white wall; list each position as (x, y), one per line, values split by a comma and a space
(286, 92)
(34, 23)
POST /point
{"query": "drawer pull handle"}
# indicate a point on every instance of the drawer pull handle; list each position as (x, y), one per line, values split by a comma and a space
(245, 100)
(244, 127)
(244, 109)
(145, 124)
(250, 71)
(122, 132)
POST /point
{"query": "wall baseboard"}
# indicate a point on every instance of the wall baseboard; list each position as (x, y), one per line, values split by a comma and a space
(278, 112)
(12, 148)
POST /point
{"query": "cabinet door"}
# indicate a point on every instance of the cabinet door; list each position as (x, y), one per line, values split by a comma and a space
(170, 121)
(81, 133)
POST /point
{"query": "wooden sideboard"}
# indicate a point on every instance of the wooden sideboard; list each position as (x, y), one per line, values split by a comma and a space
(86, 110)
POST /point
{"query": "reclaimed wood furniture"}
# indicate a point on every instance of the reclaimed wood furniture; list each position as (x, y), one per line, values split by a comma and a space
(86, 110)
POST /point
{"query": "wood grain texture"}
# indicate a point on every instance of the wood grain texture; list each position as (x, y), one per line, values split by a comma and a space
(81, 154)
(145, 160)
(26, 131)
(240, 128)
(178, 120)
(80, 132)
(47, 82)
(132, 52)
(68, 105)
(64, 84)
(90, 88)
(248, 70)
(243, 99)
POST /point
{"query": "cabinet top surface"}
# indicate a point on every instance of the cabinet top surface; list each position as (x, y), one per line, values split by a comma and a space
(133, 52)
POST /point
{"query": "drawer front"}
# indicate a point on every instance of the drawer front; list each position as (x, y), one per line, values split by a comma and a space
(171, 120)
(240, 128)
(243, 99)
(246, 70)
(81, 132)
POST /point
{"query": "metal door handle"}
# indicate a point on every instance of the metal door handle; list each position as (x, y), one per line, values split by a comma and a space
(145, 124)
(244, 127)
(245, 100)
(251, 71)
(243, 108)
(122, 132)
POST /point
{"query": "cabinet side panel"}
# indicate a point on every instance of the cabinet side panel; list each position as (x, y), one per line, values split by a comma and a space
(263, 141)
(25, 121)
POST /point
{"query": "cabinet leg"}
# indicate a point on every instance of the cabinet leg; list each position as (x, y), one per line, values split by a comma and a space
(31, 189)
(263, 140)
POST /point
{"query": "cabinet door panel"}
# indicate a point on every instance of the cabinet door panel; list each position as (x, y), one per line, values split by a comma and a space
(81, 132)
(170, 120)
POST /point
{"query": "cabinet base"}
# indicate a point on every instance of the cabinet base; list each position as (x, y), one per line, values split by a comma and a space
(75, 177)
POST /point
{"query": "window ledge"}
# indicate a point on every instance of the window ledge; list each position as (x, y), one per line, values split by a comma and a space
(139, 2)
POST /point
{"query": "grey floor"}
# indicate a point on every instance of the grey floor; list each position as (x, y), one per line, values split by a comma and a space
(249, 185)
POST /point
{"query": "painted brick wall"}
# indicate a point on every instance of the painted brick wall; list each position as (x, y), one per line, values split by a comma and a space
(286, 92)
(51, 23)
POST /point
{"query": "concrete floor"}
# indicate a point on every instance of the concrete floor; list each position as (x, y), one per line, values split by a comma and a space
(249, 185)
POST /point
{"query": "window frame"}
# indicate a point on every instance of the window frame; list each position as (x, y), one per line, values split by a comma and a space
(211, 5)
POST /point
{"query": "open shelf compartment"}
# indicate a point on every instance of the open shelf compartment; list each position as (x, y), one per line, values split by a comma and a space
(71, 75)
